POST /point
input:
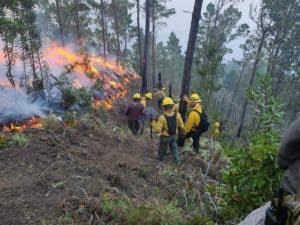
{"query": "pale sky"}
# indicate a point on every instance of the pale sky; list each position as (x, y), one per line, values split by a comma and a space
(180, 23)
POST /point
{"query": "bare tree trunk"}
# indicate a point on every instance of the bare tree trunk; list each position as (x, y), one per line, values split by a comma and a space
(59, 20)
(77, 21)
(186, 79)
(139, 37)
(116, 20)
(145, 58)
(255, 66)
(104, 41)
(153, 47)
(235, 90)
(10, 59)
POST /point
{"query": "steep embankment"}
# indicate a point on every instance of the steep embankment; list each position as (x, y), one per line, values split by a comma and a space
(63, 166)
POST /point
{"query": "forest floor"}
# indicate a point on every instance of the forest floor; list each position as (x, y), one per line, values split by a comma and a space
(65, 168)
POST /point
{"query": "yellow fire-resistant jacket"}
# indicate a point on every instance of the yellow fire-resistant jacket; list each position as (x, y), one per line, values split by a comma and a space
(193, 119)
(161, 125)
(144, 101)
(215, 133)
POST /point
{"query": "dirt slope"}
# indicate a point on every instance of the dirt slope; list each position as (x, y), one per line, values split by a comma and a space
(96, 157)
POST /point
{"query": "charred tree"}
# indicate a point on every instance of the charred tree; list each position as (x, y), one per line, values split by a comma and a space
(77, 22)
(117, 29)
(235, 91)
(153, 46)
(139, 36)
(104, 31)
(253, 73)
(59, 20)
(190, 55)
(146, 45)
(159, 80)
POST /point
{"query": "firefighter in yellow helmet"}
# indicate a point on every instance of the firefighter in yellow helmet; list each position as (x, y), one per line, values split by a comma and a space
(168, 125)
(194, 126)
(216, 131)
(161, 94)
(133, 113)
(146, 98)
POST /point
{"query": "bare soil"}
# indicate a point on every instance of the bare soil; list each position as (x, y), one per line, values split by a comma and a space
(62, 166)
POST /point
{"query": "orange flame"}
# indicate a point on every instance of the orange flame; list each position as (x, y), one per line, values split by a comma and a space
(89, 69)
(33, 122)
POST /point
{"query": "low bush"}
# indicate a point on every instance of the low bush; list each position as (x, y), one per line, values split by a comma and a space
(252, 177)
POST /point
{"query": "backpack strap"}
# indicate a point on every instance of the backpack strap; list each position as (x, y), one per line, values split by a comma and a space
(197, 127)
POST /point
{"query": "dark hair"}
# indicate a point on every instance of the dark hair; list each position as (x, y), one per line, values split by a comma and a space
(136, 99)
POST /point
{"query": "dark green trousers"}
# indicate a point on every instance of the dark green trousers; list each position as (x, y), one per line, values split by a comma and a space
(165, 142)
(134, 126)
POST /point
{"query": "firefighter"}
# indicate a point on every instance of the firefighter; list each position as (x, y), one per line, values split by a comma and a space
(168, 126)
(196, 122)
(145, 100)
(133, 112)
(161, 94)
(216, 131)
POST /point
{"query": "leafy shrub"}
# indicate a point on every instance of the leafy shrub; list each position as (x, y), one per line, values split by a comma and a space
(80, 96)
(252, 176)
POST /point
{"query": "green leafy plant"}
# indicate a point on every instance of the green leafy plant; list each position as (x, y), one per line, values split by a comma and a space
(252, 176)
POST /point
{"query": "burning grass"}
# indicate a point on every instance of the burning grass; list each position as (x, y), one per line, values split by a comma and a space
(84, 80)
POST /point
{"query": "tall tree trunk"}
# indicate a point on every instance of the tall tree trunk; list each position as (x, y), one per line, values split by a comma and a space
(139, 37)
(104, 41)
(255, 66)
(10, 61)
(153, 47)
(76, 3)
(235, 90)
(59, 20)
(116, 21)
(185, 86)
(159, 85)
(146, 45)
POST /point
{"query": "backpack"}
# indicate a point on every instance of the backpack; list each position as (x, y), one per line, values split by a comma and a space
(204, 124)
(172, 124)
(284, 210)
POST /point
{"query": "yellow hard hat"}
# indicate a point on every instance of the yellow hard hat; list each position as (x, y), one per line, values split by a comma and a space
(149, 95)
(137, 96)
(167, 101)
(216, 125)
(195, 98)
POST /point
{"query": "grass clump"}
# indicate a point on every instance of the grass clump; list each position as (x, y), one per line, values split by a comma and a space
(127, 212)
(17, 140)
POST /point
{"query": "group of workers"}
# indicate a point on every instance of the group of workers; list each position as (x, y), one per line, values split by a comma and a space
(169, 125)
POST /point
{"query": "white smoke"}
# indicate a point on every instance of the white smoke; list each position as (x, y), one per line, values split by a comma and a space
(16, 105)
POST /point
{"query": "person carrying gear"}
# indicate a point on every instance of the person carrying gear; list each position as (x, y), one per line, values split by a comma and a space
(285, 209)
(168, 126)
(196, 123)
(133, 112)
(161, 94)
(216, 131)
(146, 99)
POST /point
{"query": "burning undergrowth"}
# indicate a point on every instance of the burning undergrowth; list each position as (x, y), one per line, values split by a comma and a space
(74, 79)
